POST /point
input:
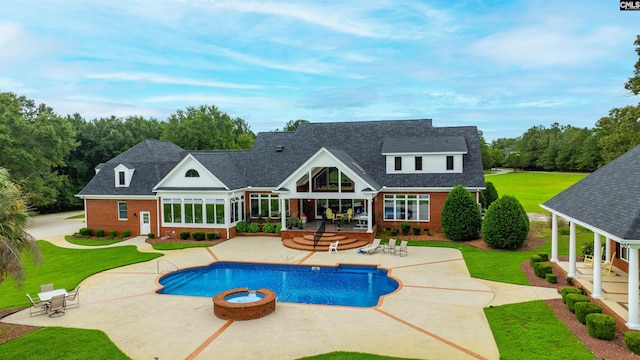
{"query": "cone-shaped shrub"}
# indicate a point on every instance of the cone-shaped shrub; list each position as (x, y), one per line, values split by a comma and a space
(461, 218)
(506, 224)
(489, 195)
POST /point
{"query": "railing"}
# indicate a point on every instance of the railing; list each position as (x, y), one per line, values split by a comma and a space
(318, 235)
(168, 262)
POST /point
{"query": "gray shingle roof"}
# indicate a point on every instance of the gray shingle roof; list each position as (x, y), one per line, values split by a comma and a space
(608, 199)
(267, 165)
(421, 145)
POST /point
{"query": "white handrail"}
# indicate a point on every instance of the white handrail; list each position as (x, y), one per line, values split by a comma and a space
(168, 262)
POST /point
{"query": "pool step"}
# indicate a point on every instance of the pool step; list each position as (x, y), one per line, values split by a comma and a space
(306, 242)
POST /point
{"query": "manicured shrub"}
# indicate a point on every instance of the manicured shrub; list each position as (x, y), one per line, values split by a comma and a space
(112, 234)
(552, 278)
(541, 269)
(585, 308)
(406, 228)
(198, 235)
(572, 299)
(394, 232)
(253, 228)
(505, 224)
(242, 226)
(544, 257)
(569, 290)
(100, 233)
(632, 339)
(126, 233)
(278, 227)
(461, 218)
(601, 326)
(268, 228)
(489, 195)
(535, 259)
(184, 235)
(211, 236)
(151, 235)
(416, 230)
(86, 232)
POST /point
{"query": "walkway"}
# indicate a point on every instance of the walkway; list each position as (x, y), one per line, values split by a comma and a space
(436, 313)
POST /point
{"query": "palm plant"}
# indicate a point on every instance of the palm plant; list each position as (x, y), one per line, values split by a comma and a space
(15, 217)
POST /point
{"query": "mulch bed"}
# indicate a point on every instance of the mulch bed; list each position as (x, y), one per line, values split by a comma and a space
(602, 349)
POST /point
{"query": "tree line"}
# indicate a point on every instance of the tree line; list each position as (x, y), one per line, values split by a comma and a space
(568, 148)
(53, 157)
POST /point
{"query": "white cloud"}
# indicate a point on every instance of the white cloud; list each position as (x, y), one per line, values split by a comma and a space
(155, 78)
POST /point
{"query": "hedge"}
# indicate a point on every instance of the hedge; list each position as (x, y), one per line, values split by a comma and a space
(184, 235)
(552, 278)
(601, 326)
(585, 308)
(198, 235)
(541, 269)
(569, 290)
(572, 299)
(99, 233)
(632, 340)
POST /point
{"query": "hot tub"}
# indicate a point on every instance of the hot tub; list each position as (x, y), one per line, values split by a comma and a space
(242, 304)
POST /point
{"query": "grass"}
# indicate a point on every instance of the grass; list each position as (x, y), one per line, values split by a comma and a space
(345, 355)
(533, 188)
(79, 216)
(66, 268)
(62, 343)
(532, 328)
(90, 242)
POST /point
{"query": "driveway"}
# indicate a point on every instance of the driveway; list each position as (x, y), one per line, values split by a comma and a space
(437, 312)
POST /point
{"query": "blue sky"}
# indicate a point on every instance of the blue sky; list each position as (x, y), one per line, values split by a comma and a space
(503, 66)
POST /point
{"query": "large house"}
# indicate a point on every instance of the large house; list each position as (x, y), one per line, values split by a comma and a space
(606, 202)
(386, 172)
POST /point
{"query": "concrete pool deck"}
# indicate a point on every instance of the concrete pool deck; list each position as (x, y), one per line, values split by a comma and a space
(436, 313)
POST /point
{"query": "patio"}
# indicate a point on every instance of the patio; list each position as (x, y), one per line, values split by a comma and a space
(437, 312)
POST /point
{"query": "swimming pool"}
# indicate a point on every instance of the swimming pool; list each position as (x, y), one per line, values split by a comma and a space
(346, 285)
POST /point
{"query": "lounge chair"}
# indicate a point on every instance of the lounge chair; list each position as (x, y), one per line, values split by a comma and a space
(371, 248)
(37, 308)
(56, 306)
(606, 267)
(402, 248)
(349, 215)
(73, 299)
(46, 287)
(390, 247)
(334, 246)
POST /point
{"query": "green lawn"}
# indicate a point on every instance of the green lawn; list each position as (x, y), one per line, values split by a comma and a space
(533, 188)
(178, 246)
(66, 268)
(90, 242)
(533, 329)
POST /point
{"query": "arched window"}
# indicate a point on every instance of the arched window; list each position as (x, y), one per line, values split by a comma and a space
(192, 173)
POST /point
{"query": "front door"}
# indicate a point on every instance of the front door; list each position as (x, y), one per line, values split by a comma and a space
(145, 222)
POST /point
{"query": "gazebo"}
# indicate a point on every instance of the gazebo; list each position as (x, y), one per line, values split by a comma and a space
(606, 202)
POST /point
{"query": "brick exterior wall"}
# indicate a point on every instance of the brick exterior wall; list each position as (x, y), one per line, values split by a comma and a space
(436, 202)
(102, 214)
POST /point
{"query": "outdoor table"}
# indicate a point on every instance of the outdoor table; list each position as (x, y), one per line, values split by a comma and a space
(361, 221)
(47, 295)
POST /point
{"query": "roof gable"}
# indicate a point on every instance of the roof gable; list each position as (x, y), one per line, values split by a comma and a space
(177, 178)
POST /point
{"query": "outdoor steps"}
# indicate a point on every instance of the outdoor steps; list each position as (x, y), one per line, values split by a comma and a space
(306, 242)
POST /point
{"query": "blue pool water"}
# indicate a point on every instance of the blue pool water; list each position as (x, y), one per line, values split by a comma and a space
(346, 285)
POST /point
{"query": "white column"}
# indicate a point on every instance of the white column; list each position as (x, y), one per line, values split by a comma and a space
(632, 321)
(283, 214)
(554, 237)
(572, 250)
(607, 246)
(597, 267)
(369, 216)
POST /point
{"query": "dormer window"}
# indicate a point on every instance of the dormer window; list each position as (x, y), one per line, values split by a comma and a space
(123, 175)
(449, 162)
(192, 173)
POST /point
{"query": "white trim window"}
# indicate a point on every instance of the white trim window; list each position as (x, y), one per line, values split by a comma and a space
(266, 205)
(624, 252)
(406, 207)
(122, 210)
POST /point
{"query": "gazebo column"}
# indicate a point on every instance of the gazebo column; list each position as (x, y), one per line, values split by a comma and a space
(554, 237)
(572, 250)
(607, 247)
(597, 267)
(283, 212)
(632, 299)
